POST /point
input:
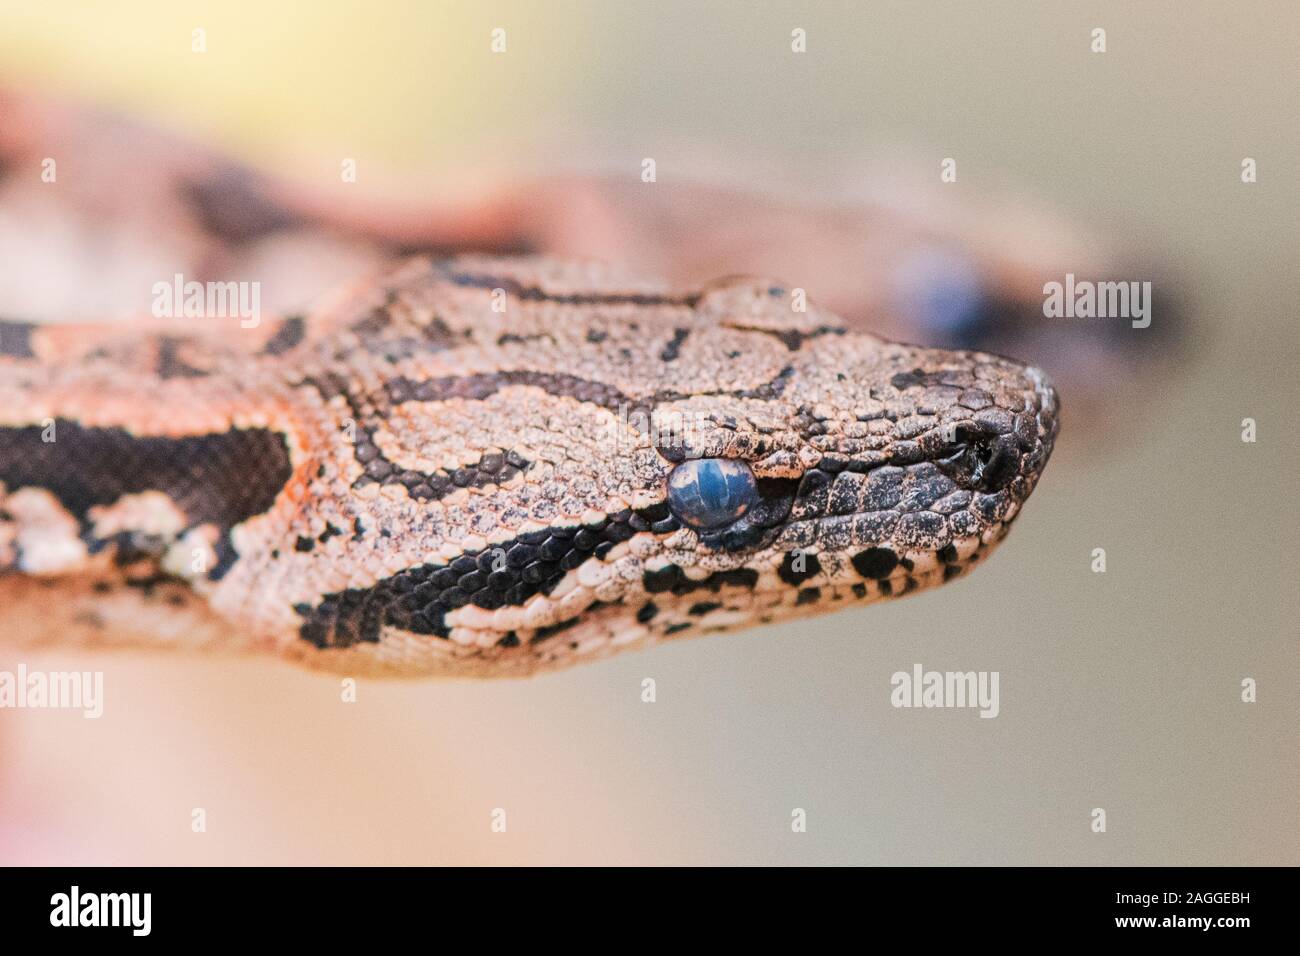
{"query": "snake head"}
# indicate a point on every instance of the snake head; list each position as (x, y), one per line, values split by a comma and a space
(895, 469)
(592, 468)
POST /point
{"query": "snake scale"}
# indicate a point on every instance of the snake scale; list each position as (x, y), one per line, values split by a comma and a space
(494, 466)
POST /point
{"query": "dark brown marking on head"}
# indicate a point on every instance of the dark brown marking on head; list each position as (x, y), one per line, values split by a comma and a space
(505, 575)
(378, 338)
(511, 338)
(674, 347)
(793, 339)
(484, 385)
(922, 378)
(768, 390)
(515, 289)
(493, 468)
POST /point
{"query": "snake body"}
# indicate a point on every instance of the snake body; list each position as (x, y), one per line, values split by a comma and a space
(494, 466)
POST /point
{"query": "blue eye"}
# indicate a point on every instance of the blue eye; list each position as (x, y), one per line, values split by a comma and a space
(711, 492)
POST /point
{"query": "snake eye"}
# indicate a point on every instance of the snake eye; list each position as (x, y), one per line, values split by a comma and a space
(711, 492)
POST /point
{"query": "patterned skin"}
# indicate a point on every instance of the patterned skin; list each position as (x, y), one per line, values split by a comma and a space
(462, 467)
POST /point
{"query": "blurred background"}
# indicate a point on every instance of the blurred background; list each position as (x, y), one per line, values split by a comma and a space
(1118, 690)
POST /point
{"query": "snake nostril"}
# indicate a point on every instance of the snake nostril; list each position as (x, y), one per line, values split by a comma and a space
(998, 462)
(980, 458)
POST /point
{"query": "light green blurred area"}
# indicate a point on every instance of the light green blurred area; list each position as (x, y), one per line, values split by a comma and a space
(1118, 690)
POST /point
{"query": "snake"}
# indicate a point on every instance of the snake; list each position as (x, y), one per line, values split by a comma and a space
(485, 454)
(485, 466)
